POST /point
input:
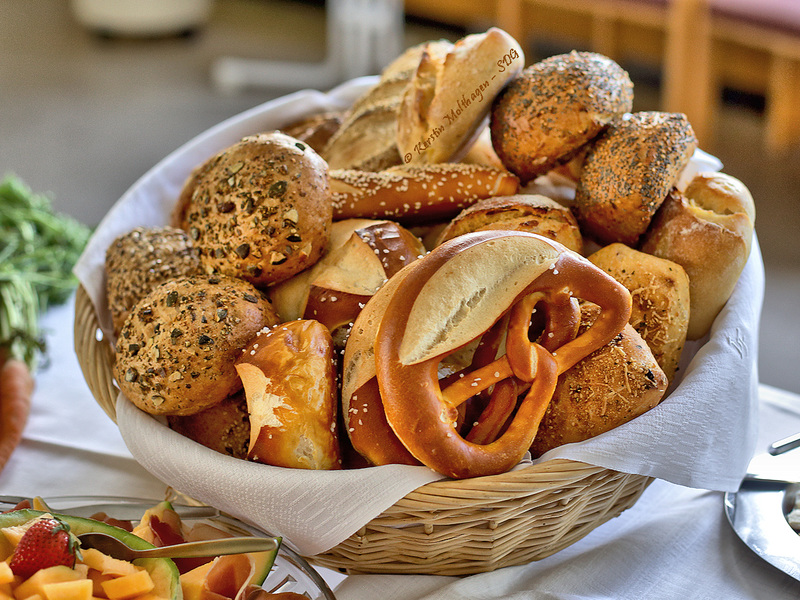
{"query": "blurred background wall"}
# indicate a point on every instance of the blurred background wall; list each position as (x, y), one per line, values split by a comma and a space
(85, 111)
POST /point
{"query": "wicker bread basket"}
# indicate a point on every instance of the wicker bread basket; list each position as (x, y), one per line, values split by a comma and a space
(446, 527)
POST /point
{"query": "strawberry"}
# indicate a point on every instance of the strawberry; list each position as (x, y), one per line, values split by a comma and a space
(46, 543)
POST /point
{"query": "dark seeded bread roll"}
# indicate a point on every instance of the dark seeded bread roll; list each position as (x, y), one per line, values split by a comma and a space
(138, 261)
(628, 173)
(544, 116)
(176, 351)
(260, 209)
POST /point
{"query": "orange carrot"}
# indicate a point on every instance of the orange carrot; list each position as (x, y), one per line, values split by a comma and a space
(16, 390)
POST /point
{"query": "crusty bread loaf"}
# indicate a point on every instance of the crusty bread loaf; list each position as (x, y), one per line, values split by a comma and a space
(660, 292)
(289, 378)
(611, 386)
(708, 230)
(260, 209)
(555, 107)
(521, 212)
(448, 98)
(367, 137)
(141, 259)
(628, 173)
(176, 351)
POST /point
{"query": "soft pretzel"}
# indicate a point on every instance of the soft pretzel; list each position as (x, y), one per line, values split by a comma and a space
(418, 193)
(447, 300)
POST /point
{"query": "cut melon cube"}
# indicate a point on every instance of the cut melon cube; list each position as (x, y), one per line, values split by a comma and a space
(97, 579)
(128, 586)
(194, 582)
(34, 584)
(6, 574)
(9, 538)
(150, 596)
(80, 589)
(105, 564)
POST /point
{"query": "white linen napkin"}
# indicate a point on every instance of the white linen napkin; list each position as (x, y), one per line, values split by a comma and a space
(701, 435)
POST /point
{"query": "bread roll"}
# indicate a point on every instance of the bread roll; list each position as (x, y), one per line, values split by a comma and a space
(260, 209)
(141, 259)
(315, 130)
(176, 350)
(708, 230)
(660, 292)
(289, 380)
(361, 256)
(448, 98)
(482, 152)
(611, 386)
(224, 427)
(367, 137)
(522, 212)
(555, 107)
(628, 173)
(373, 254)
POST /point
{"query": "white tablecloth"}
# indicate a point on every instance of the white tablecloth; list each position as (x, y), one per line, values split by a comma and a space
(675, 542)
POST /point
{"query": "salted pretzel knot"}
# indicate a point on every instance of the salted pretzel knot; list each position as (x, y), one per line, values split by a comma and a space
(450, 298)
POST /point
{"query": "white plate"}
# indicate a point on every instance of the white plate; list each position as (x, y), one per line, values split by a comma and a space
(757, 513)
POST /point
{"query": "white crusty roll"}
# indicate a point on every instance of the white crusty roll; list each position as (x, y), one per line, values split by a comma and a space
(416, 193)
(367, 137)
(289, 379)
(708, 230)
(361, 256)
(449, 96)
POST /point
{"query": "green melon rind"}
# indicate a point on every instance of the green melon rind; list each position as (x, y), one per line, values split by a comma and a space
(162, 570)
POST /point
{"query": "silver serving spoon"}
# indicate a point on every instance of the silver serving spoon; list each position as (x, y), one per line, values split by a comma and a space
(776, 448)
(114, 548)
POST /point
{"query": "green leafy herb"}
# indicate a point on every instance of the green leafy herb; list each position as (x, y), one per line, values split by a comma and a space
(38, 249)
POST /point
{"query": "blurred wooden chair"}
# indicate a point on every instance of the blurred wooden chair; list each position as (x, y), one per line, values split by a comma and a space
(701, 46)
(754, 46)
(362, 37)
(667, 33)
